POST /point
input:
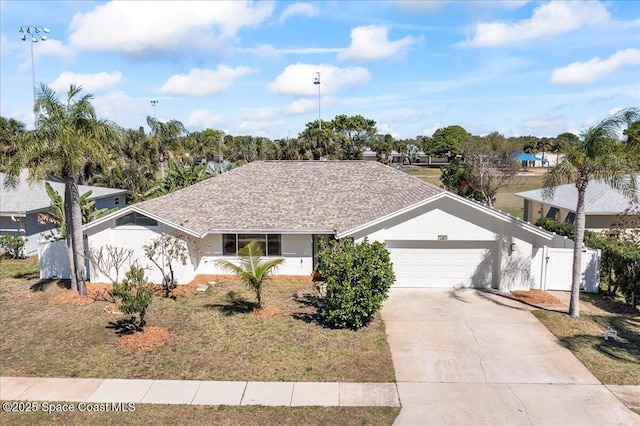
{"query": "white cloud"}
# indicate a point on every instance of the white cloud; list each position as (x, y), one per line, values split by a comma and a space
(548, 21)
(372, 42)
(121, 108)
(204, 119)
(596, 68)
(300, 106)
(260, 128)
(429, 131)
(304, 9)
(298, 79)
(543, 124)
(269, 51)
(56, 49)
(204, 82)
(91, 83)
(137, 27)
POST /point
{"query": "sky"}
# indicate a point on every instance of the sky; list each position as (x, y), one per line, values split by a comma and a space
(249, 67)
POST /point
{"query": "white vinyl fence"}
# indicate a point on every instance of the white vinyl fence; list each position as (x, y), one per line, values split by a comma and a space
(555, 266)
(53, 259)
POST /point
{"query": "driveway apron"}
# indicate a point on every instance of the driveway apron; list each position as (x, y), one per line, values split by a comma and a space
(467, 357)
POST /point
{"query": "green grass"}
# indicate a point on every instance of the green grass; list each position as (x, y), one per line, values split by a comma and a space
(19, 268)
(212, 336)
(611, 361)
(146, 414)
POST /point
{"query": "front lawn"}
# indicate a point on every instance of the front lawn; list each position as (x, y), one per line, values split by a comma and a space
(212, 336)
(146, 414)
(611, 361)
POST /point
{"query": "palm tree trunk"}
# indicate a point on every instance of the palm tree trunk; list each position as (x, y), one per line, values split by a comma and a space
(69, 237)
(77, 240)
(574, 306)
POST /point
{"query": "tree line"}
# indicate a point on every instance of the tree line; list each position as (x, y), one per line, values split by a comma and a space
(71, 142)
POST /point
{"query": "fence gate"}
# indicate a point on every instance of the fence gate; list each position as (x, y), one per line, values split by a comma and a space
(557, 270)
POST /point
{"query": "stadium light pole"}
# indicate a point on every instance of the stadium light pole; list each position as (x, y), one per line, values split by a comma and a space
(316, 81)
(33, 34)
(153, 104)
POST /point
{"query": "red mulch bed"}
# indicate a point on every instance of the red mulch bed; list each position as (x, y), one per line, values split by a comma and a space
(150, 338)
(536, 297)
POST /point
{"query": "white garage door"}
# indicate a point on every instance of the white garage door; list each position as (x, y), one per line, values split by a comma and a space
(443, 267)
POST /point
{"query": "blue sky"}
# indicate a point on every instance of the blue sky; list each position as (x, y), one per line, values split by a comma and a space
(248, 68)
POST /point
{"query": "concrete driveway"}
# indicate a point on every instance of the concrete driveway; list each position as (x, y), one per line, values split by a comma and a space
(465, 357)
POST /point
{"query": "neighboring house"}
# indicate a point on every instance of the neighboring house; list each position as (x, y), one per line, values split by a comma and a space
(602, 204)
(20, 207)
(435, 238)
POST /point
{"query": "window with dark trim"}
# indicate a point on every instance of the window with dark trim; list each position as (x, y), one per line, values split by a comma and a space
(551, 214)
(571, 217)
(116, 201)
(271, 244)
(136, 219)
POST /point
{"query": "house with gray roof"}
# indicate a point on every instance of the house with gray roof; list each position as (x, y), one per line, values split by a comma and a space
(435, 238)
(602, 204)
(20, 207)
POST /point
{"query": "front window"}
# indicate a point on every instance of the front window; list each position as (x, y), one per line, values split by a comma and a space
(553, 211)
(270, 243)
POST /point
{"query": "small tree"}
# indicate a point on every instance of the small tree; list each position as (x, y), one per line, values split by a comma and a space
(253, 271)
(163, 252)
(109, 260)
(358, 278)
(135, 294)
(13, 246)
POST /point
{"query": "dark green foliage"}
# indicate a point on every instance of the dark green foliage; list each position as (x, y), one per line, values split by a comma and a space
(561, 228)
(13, 246)
(358, 278)
(457, 178)
(135, 295)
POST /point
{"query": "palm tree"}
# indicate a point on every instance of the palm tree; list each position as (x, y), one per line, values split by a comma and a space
(598, 154)
(164, 137)
(253, 271)
(68, 135)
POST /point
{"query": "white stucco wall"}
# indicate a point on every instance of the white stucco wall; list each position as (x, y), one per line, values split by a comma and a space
(297, 250)
(134, 237)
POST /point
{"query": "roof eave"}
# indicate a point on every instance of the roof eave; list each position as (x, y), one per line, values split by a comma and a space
(488, 210)
(133, 208)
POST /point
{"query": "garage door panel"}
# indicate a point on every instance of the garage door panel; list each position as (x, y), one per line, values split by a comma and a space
(448, 267)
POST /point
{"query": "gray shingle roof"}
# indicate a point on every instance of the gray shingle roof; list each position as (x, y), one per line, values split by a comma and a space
(599, 199)
(294, 196)
(25, 198)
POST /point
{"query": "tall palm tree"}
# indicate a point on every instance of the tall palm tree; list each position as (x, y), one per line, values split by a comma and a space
(68, 135)
(598, 154)
(164, 137)
(253, 271)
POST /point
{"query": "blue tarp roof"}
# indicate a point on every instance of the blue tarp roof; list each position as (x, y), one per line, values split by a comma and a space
(523, 156)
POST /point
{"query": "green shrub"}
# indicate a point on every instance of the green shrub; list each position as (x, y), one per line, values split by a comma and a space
(135, 294)
(358, 278)
(13, 246)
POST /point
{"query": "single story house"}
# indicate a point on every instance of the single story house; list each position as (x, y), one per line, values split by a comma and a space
(20, 207)
(602, 204)
(435, 238)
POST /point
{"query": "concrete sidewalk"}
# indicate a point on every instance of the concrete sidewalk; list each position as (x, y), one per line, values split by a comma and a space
(195, 392)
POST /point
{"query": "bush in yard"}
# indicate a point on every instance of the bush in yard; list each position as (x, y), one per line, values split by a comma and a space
(13, 246)
(358, 277)
(135, 294)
